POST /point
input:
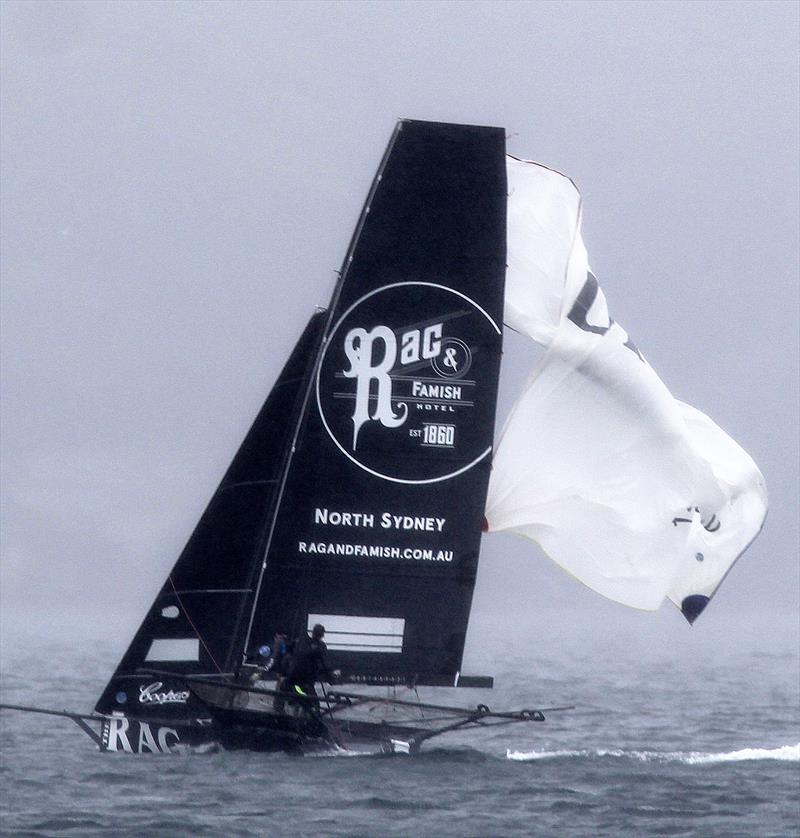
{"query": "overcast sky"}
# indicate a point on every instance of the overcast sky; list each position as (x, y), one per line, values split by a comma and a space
(180, 182)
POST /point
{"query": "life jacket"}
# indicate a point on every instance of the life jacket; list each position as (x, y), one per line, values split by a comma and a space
(307, 660)
(282, 660)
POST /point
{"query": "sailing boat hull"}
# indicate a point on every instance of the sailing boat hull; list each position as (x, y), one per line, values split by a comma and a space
(230, 730)
(236, 717)
(263, 732)
(263, 720)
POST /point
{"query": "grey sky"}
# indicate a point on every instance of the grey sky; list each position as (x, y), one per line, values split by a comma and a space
(180, 181)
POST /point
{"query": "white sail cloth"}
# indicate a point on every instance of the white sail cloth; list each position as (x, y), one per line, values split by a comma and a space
(636, 494)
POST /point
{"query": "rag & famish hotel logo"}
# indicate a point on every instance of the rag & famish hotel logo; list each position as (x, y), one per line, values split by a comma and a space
(397, 394)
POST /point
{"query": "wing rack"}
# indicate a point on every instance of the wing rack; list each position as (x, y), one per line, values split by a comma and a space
(347, 719)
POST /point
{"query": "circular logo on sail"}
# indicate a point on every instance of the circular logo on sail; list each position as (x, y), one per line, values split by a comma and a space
(407, 381)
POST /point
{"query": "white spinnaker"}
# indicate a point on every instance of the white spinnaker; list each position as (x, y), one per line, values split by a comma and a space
(636, 494)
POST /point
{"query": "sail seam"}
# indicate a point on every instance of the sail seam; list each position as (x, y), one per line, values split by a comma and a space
(249, 483)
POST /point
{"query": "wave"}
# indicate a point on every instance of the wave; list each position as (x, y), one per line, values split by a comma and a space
(340, 752)
(786, 753)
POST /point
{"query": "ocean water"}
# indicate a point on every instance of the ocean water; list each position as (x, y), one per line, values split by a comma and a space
(659, 743)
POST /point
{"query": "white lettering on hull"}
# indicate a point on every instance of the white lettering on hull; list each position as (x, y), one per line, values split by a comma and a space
(115, 737)
(146, 739)
(150, 694)
(118, 735)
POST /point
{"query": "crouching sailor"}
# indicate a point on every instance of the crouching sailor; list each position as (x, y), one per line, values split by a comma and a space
(261, 666)
(272, 662)
(309, 664)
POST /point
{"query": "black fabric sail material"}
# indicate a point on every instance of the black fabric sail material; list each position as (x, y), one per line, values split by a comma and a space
(378, 531)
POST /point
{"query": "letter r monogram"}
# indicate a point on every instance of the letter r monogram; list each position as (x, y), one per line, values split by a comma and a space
(358, 346)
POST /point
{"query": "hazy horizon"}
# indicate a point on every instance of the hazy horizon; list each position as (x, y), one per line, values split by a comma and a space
(180, 183)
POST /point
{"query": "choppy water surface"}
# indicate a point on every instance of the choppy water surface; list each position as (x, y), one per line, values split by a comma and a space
(656, 746)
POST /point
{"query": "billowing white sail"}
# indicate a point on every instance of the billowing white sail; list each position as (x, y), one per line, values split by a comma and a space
(636, 494)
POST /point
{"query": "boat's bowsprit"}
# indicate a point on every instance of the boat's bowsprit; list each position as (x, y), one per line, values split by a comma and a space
(80, 719)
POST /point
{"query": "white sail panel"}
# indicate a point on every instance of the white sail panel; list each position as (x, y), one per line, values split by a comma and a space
(542, 217)
(637, 495)
(714, 544)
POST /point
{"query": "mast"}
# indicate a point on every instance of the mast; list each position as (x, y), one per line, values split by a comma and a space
(308, 390)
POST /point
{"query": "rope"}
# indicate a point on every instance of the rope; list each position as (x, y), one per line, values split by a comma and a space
(419, 701)
(337, 731)
(194, 627)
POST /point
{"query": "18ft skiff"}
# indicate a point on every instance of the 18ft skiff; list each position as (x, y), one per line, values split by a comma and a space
(358, 497)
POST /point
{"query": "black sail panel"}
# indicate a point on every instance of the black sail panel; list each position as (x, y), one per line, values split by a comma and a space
(197, 622)
(378, 526)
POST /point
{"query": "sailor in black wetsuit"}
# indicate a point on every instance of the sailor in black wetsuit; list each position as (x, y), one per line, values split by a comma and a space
(309, 663)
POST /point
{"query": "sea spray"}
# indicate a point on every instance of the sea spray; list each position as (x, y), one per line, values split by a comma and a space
(785, 753)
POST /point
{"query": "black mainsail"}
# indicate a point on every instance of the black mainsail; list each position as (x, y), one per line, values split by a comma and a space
(378, 534)
(356, 499)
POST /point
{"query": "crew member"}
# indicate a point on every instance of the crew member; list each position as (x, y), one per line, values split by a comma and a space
(261, 666)
(279, 665)
(271, 661)
(309, 664)
(279, 659)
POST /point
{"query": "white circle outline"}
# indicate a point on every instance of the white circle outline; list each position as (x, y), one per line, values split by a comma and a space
(460, 373)
(322, 360)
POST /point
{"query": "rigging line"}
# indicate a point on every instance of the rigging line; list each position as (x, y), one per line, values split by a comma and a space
(393, 702)
(310, 386)
(194, 627)
(432, 719)
(419, 702)
(337, 731)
